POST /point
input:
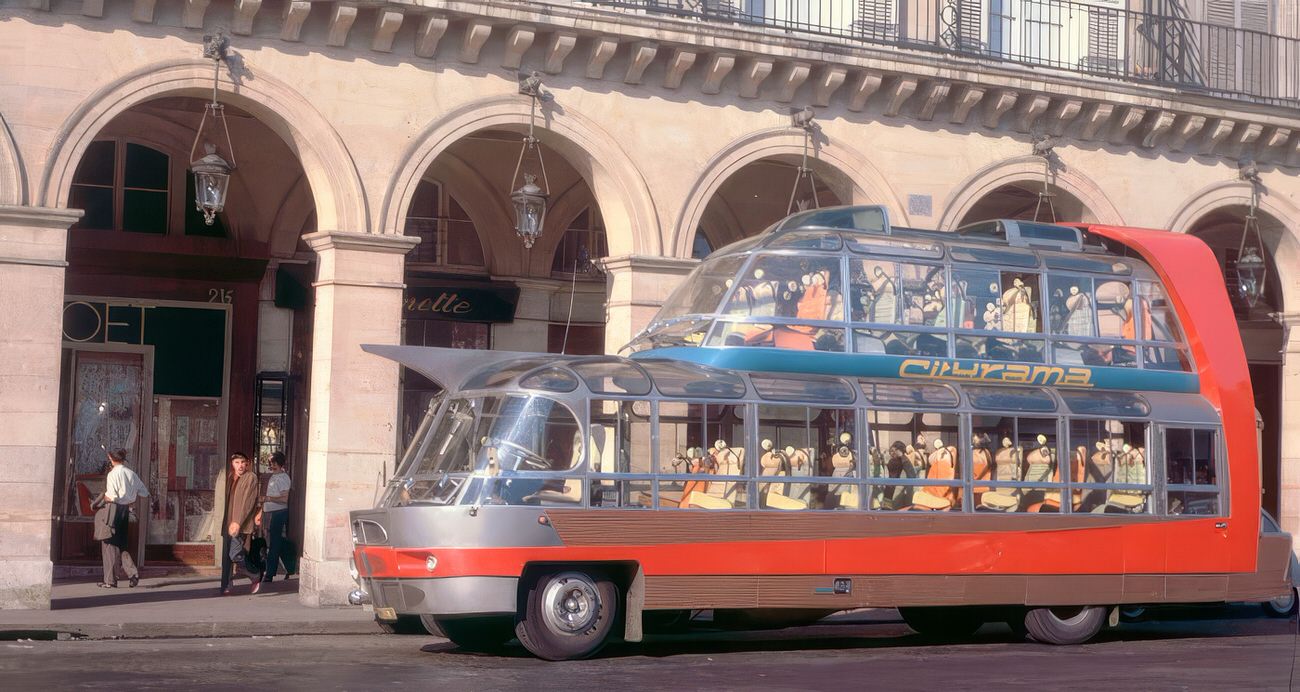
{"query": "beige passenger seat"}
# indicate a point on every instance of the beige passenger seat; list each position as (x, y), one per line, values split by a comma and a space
(770, 465)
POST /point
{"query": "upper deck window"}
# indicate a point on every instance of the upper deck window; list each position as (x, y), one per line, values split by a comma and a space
(1077, 263)
(808, 240)
(894, 247)
(611, 377)
(498, 375)
(869, 219)
(1161, 321)
(674, 378)
(885, 292)
(792, 287)
(994, 256)
(909, 395)
(551, 380)
(703, 289)
(803, 389)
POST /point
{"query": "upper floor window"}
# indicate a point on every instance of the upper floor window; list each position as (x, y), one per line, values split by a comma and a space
(702, 246)
(124, 186)
(583, 242)
(447, 236)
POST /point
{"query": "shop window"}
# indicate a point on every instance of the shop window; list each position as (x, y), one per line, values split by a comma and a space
(582, 244)
(448, 237)
(702, 246)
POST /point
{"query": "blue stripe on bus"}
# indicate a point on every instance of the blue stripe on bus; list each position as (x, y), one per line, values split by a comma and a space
(926, 368)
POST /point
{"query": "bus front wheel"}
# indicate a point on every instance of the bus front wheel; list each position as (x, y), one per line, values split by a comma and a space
(568, 614)
(1065, 625)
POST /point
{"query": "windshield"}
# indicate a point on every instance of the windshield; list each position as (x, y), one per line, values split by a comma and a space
(702, 291)
(492, 435)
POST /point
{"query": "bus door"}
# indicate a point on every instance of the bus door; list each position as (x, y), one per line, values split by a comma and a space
(1194, 497)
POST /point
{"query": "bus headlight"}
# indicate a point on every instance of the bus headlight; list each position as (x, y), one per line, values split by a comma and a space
(431, 563)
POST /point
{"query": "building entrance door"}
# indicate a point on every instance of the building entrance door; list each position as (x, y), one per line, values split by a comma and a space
(106, 407)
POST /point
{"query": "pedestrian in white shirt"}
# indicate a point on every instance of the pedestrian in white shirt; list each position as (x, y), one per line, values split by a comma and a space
(275, 507)
(121, 489)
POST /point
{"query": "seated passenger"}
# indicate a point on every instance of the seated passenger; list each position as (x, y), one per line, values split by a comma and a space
(943, 466)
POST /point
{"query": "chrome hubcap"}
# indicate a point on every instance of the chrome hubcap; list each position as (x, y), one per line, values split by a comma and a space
(572, 603)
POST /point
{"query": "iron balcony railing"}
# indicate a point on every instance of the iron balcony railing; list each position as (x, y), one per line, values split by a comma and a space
(1098, 37)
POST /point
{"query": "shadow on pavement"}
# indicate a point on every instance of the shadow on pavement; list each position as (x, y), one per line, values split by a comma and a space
(155, 593)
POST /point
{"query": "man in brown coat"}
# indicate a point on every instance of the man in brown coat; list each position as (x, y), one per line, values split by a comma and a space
(241, 512)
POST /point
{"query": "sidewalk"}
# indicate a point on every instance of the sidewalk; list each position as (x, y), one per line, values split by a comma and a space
(180, 607)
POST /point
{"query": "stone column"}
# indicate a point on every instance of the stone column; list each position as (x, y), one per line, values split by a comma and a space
(1289, 473)
(637, 286)
(352, 414)
(33, 247)
(528, 331)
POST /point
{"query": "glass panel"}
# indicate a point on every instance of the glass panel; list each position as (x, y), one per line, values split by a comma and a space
(1019, 399)
(1019, 309)
(900, 395)
(794, 337)
(1160, 322)
(544, 492)
(623, 494)
(550, 379)
(1093, 354)
(900, 343)
(97, 165)
(974, 299)
(703, 493)
(1086, 264)
(187, 458)
(815, 390)
(1121, 404)
(499, 374)
(1072, 311)
(97, 203)
(272, 436)
(686, 379)
(796, 287)
(1109, 451)
(808, 240)
(146, 168)
(685, 333)
(1173, 359)
(995, 256)
(924, 295)
(1188, 502)
(695, 438)
(1178, 456)
(502, 434)
(874, 292)
(620, 437)
(1204, 472)
(463, 245)
(144, 212)
(991, 348)
(194, 222)
(427, 231)
(870, 219)
(795, 496)
(894, 248)
(424, 203)
(915, 498)
(702, 290)
(613, 377)
(904, 444)
(1114, 304)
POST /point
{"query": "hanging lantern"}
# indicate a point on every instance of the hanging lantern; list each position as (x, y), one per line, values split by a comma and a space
(212, 173)
(211, 180)
(1250, 276)
(529, 199)
(530, 210)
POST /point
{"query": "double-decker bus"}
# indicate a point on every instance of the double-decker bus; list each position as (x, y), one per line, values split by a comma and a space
(1015, 422)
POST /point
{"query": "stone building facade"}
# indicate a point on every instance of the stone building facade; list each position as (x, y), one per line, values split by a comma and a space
(376, 142)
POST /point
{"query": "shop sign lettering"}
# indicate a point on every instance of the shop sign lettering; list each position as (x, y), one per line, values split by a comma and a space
(490, 303)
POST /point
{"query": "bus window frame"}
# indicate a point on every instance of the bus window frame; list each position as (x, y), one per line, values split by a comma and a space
(1222, 474)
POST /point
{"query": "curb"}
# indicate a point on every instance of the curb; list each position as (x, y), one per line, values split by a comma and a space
(172, 630)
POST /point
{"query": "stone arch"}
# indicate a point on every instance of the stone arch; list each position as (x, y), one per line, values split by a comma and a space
(1023, 169)
(13, 179)
(631, 222)
(1236, 193)
(491, 219)
(868, 184)
(335, 185)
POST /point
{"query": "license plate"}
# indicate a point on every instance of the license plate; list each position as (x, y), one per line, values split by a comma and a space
(386, 614)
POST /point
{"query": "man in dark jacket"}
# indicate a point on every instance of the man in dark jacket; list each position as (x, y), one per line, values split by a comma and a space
(241, 510)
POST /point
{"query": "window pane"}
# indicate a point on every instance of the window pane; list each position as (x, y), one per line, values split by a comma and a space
(900, 343)
(915, 445)
(424, 204)
(1019, 309)
(1206, 451)
(974, 298)
(686, 379)
(1174, 359)
(97, 203)
(902, 396)
(1110, 452)
(1120, 404)
(620, 437)
(1187, 502)
(702, 291)
(1114, 303)
(1094, 354)
(993, 348)
(427, 231)
(1072, 304)
(814, 390)
(97, 165)
(1017, 399)
(1161, 322)
(874, 292)
(550, 379)
(701, 247)
(623, 494)
(613, 378)
(144, 212)
(145, 168)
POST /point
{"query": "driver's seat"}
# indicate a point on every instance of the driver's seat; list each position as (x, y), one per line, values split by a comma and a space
(571, 494)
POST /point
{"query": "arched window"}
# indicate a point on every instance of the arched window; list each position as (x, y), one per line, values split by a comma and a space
(124, 186)
(702, 247)
(583, 242)
(448, 237)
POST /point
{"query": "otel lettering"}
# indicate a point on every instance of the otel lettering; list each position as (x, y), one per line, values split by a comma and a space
(942, 369)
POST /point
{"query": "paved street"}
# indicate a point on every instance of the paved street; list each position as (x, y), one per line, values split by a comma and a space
(1215, 649)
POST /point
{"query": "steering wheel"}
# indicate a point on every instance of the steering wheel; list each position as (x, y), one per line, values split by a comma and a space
(527, 457)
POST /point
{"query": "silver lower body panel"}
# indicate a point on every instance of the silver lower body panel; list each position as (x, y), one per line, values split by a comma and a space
(446, 596)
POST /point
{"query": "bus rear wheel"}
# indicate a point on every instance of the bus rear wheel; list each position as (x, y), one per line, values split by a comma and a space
(944, 622)
(1065, 625)
(477, 634)
(568, 614)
